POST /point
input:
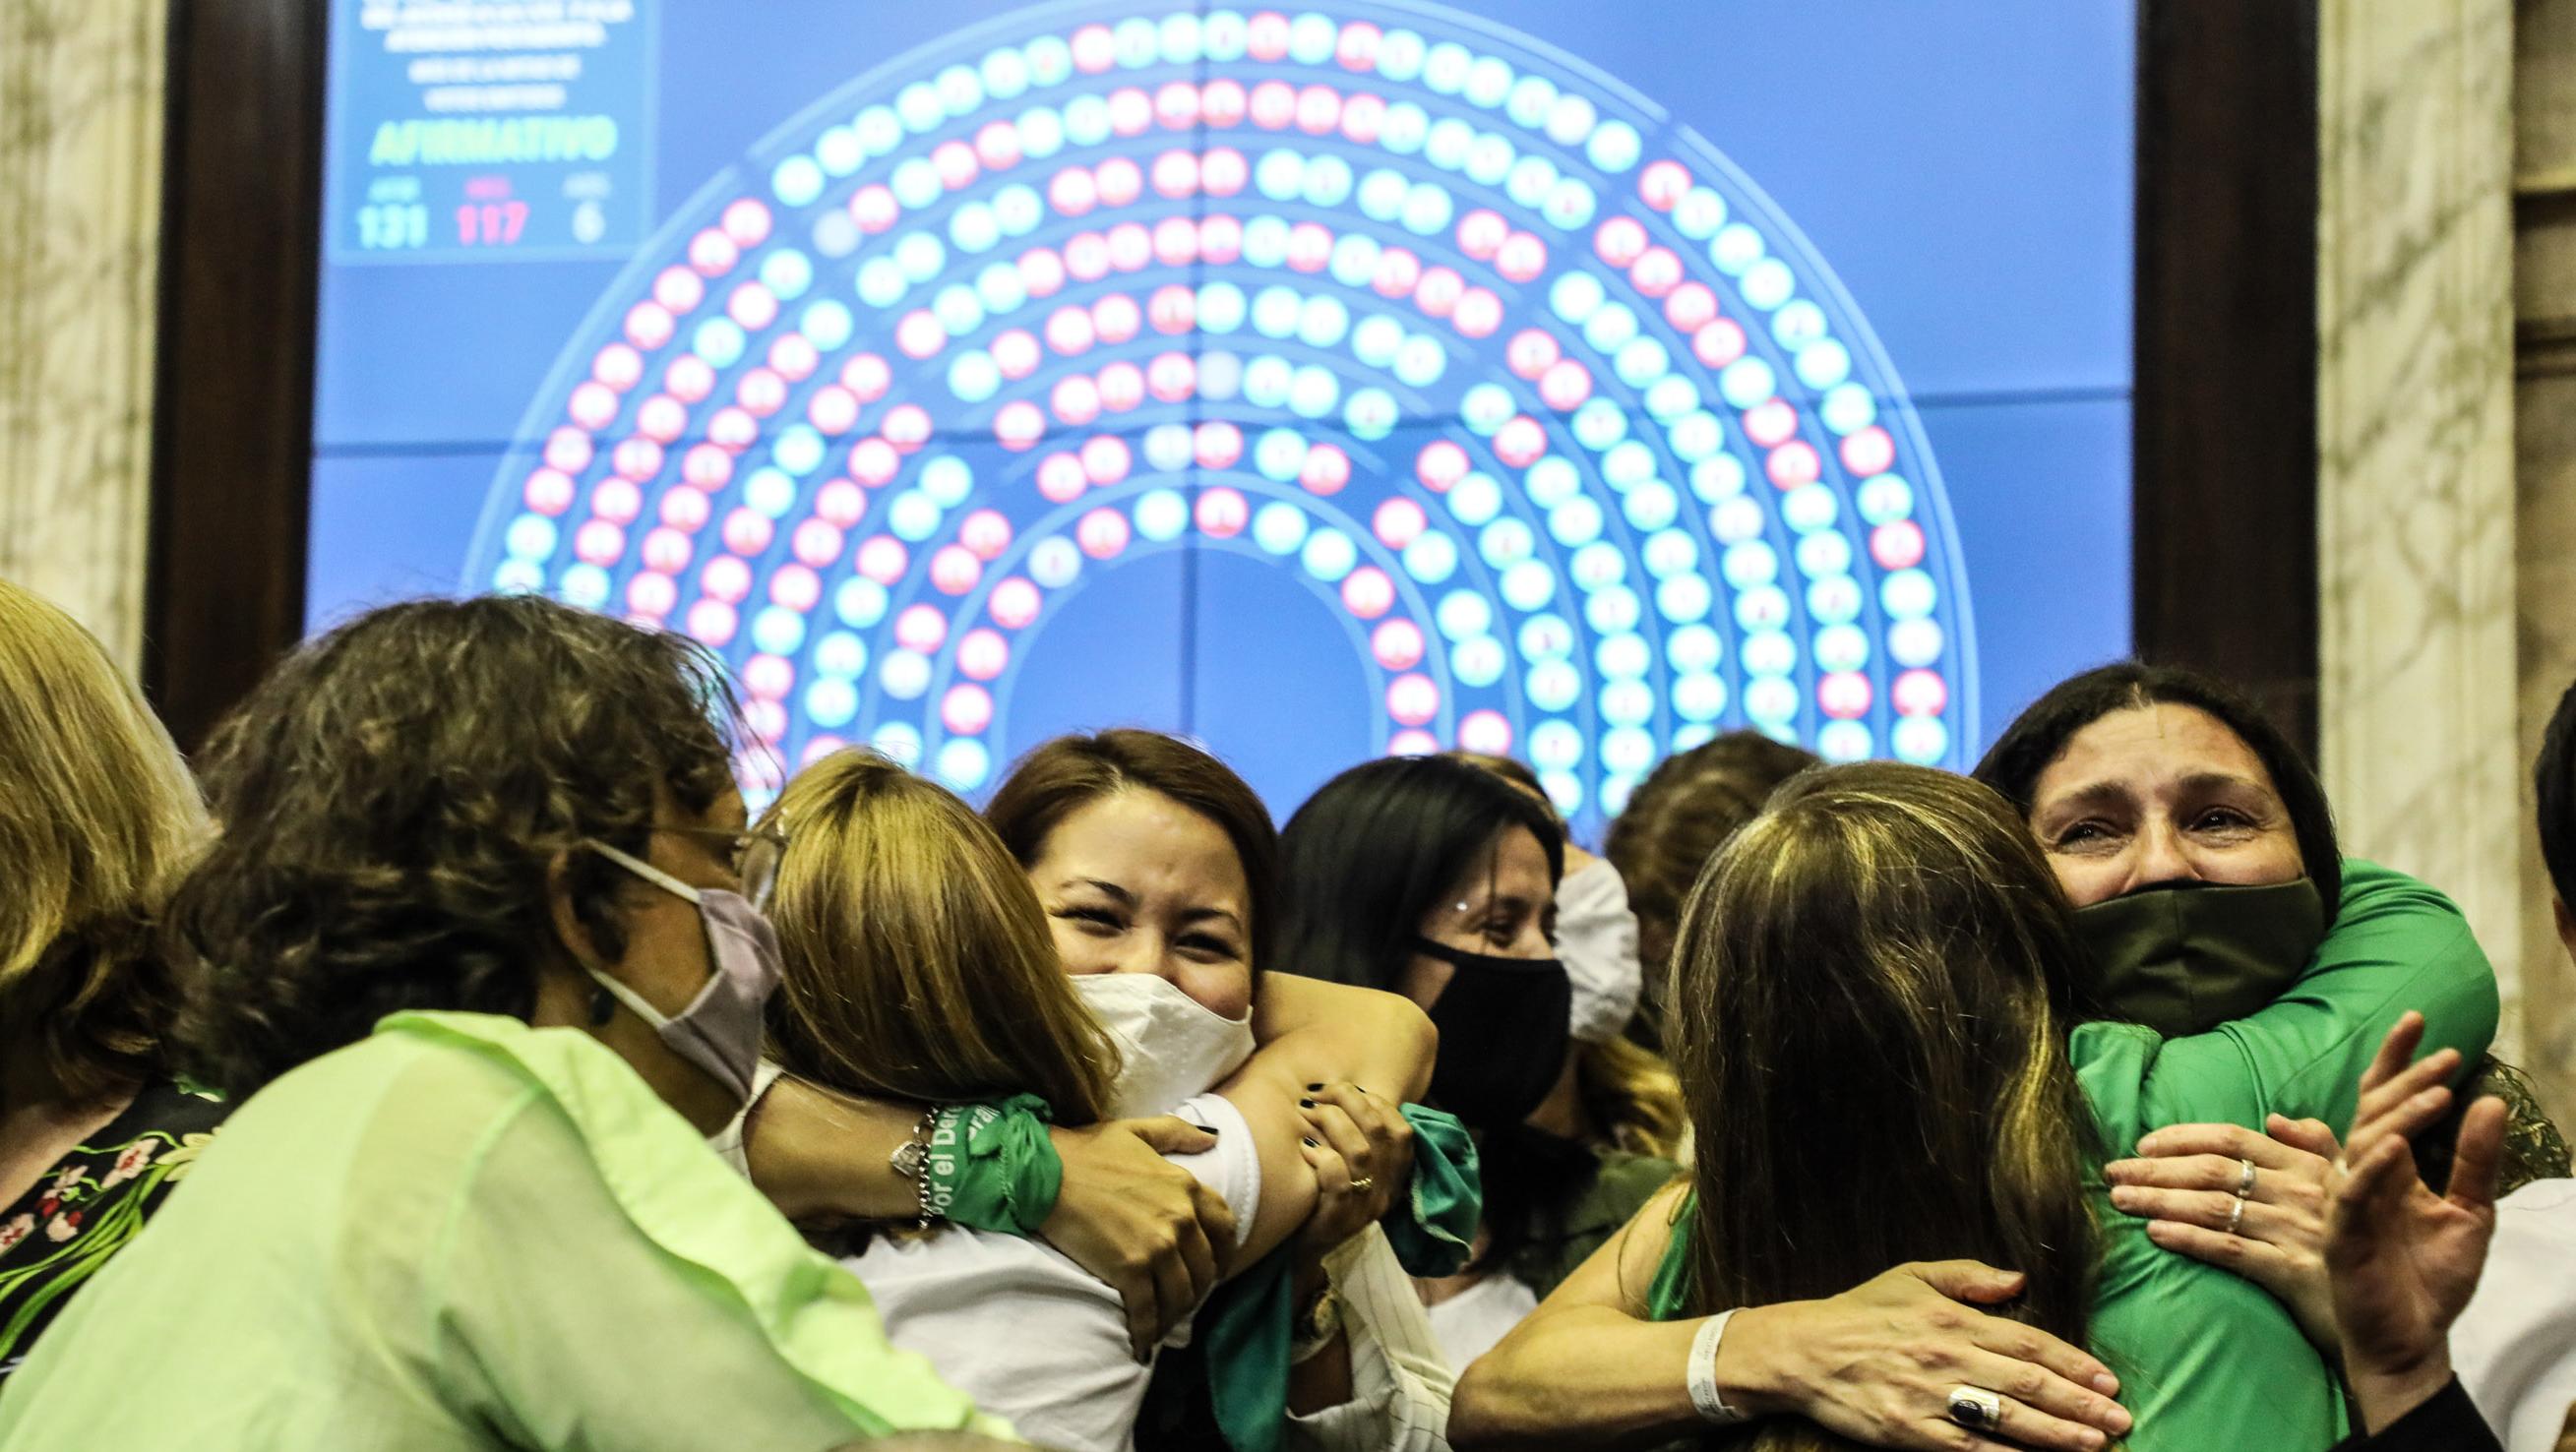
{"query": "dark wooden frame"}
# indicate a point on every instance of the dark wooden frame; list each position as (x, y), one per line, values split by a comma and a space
(2225, 420)
(2224, 428)
(232, 438)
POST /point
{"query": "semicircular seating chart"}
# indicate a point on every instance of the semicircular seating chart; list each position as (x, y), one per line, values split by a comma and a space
(1538, 390)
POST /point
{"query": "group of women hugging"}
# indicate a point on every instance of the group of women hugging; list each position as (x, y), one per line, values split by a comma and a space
(449, 1061)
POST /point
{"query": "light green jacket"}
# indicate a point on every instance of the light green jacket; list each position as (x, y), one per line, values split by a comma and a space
(464, 1232)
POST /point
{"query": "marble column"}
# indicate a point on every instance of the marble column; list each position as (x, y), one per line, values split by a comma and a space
(80, 215)
(2417, 692)
(2545, 515)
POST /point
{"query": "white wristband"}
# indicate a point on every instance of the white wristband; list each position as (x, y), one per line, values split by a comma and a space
(1705, 1397)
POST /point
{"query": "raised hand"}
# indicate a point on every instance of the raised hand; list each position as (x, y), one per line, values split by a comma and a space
(2401, 1260)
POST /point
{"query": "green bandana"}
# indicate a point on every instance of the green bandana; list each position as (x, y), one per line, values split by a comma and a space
(1244, 1328)
(991, 1166)
(2184, 960)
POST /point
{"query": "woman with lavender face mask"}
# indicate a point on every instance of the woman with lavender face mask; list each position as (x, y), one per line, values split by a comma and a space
(479, 955)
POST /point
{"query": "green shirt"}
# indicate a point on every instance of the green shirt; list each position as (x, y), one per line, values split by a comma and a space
(1617, 1190)
(2203, 1355)
(463, 1232)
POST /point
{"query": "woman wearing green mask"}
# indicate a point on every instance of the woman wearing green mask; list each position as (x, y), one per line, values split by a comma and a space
(2200, 857)
(1876, 1022)
(2198, 850)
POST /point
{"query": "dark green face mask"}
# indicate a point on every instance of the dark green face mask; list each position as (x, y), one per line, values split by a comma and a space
(2183, 960)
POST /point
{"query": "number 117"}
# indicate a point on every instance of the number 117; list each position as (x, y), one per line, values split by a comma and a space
(490, 223)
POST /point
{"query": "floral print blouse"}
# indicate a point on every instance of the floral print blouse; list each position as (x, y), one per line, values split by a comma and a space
(59, 1233)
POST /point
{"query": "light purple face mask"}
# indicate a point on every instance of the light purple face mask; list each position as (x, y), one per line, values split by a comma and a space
(720, 1031)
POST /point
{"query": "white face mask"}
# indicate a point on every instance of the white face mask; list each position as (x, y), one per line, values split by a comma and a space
(1172, 1047)
(1596, 939)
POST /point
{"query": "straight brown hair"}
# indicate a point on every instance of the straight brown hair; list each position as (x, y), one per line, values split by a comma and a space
(1871, 998)
(918, 964)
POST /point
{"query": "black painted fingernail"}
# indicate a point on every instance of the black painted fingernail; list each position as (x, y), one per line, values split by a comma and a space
(1305, 1103)
(1311, 1088)
(1310, 1144)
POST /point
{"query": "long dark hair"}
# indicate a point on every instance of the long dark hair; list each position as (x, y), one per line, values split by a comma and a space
(1871, 994)
(390, 798)
(1373, 849)
(1367, 856)
(2553, 781)
(2038, 736)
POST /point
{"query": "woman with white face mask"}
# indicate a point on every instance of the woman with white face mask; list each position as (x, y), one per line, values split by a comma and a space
(1157, 868)
(479, 957)
(919, 966)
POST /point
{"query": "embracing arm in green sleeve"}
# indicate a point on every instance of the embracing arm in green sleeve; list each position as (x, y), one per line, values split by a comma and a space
(2395, 944)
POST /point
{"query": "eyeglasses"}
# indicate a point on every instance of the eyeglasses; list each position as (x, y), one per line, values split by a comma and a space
(752, 852)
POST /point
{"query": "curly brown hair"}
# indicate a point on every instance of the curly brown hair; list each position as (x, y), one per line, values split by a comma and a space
(390, 799)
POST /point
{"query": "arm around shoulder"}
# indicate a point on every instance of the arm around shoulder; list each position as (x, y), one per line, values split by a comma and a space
(542, 1264)
(2395, 944)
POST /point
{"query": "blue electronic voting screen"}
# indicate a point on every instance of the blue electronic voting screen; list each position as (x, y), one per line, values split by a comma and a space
(1551, 378)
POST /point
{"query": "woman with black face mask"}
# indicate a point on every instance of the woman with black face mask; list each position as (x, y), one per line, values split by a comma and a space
(2198, 850)
(1436, 879)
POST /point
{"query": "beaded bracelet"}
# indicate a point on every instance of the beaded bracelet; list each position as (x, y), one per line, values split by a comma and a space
(911, 1160)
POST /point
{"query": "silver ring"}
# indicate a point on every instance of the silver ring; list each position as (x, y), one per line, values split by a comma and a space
(2236, 1217)
(1976, 1409)
(2245, 1179)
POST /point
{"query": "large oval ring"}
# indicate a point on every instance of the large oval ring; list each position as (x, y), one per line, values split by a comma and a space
(1976, 1409)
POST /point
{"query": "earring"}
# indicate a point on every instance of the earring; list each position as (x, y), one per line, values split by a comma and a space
(602, 1007)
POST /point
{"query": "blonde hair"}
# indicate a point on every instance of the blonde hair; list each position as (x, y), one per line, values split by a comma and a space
(1871, 995)
(1634, 1095)
(918, 962)
(98, 816)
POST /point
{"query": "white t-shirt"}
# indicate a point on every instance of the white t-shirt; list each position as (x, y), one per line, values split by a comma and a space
(1024, 1331)
(1470, 1323)
(2515, 1346)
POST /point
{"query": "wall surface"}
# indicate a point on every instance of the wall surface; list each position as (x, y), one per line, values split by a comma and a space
(80, 213)
(2418, 725)
(2545, 478)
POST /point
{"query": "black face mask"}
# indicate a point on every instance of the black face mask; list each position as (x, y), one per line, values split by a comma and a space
(2183, 960)
(1503, 1035)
